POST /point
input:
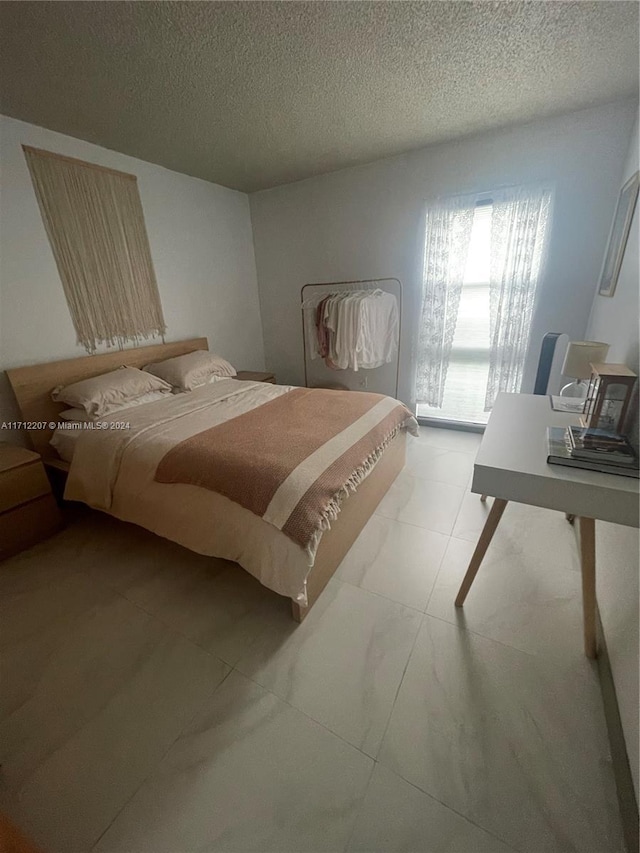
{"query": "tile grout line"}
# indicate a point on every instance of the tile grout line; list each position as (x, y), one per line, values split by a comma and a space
(449, 808)
(312, 719)
(466, 491)
(435, 580)
(360, 808)
(329, 731)
(375, 761)
(400, 682)
(171, 628)
(433, 616)
(162, 757)
(423, 612)
(532, 655)
(437, 482)
(426, 615)
(380, 595)
(305, 715)
(411, 524)
(176, 631)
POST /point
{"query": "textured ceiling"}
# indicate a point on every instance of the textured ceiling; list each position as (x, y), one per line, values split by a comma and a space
(254, 94)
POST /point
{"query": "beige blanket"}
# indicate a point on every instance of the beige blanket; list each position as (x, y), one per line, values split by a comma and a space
(292, 460)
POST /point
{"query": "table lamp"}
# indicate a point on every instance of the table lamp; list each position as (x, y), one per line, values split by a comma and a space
(577, 365)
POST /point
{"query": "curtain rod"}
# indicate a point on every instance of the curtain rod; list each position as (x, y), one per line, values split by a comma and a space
(488, 193)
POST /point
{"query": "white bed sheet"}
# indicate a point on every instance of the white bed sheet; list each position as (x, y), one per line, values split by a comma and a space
(63, 442)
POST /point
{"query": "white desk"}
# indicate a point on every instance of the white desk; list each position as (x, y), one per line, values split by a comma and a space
(511, 466)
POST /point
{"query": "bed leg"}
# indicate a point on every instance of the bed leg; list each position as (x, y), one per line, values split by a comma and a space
(297, 611)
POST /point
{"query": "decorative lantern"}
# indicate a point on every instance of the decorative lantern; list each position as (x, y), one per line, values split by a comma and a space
(608, 396)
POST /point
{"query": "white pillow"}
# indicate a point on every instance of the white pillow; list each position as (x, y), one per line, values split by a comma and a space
(186, 372)
(80, 416)
(101, 395)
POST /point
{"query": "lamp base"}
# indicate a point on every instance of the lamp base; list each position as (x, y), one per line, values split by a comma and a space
(577, 390)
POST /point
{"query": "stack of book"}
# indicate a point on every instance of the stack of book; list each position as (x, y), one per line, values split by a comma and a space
(593, 449)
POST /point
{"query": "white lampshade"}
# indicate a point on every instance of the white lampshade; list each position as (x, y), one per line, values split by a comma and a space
(579, 357)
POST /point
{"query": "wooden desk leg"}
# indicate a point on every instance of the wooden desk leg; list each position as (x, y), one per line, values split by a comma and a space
(490, 525)
(588, 567)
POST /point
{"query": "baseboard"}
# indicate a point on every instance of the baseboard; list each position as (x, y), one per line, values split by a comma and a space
(442, 423)
(620, 759)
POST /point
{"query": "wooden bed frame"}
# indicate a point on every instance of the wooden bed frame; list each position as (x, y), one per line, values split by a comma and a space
(32, 386)
(356, 511)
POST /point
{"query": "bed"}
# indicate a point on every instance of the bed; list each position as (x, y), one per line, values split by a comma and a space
(117, 472)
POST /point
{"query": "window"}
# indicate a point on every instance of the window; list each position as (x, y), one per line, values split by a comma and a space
(482, 264)
(468, 371)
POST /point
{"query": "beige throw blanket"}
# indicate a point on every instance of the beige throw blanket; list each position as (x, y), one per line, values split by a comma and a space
(292, 460)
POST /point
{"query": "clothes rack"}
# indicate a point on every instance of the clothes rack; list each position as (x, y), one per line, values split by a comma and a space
(312, 294)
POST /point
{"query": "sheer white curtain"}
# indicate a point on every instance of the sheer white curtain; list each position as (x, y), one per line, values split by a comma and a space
(448, 234)
(519, 226)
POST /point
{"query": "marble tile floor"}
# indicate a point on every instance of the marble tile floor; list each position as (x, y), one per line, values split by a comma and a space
(156, 700)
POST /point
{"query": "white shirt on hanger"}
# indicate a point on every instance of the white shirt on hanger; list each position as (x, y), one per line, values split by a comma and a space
(364, 328)
(377, 340)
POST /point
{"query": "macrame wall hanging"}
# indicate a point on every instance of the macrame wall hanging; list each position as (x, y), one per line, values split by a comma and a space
(95, 223)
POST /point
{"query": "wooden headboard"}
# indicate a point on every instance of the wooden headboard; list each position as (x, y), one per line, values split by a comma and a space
(33, 385)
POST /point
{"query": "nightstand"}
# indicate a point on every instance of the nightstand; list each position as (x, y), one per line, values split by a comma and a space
(28, 511)
(255, 376)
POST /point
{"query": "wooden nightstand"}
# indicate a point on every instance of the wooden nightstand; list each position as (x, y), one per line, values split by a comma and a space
(255, 376)
(28, 511)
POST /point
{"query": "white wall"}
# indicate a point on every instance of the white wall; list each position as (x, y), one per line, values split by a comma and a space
(365, 222)
(615, 320)
(201, 244)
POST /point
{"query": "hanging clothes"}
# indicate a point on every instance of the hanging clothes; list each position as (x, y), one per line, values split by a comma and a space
(357, 329)
(315, 333)
(340, 321)
(377, 341)
(324, 333)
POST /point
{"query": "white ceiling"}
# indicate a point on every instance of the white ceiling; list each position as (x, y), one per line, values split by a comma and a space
(255, 94)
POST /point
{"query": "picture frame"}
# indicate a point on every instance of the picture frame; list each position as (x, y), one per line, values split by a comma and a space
(618, 236)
